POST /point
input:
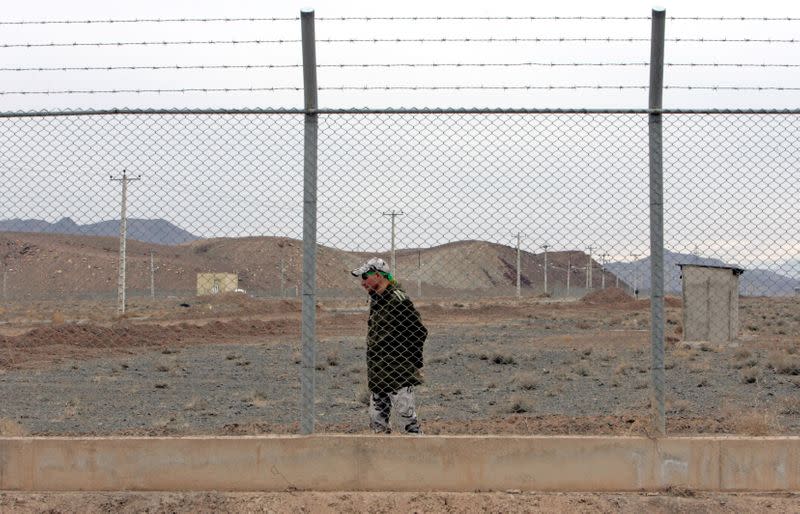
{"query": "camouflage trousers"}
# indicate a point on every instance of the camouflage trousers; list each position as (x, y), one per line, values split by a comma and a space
(402, 401)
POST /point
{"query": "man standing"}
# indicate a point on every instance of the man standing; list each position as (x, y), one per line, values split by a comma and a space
(395, 335)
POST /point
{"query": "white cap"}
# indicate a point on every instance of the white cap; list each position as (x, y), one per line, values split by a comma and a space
(374, 264)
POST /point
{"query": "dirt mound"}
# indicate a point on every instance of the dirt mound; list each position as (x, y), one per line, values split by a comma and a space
(606, 296)
(72, 340)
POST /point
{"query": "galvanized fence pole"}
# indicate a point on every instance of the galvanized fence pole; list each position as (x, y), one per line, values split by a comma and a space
(309, 322)
(657, 219)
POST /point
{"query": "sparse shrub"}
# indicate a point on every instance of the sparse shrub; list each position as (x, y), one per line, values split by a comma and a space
(784, 363)
(10, 428)
(586, 352)
(582, 371)
(162, 385)
(332, 358)
(162, 368)
(321, 366)
(297, 358)
(362, 394)
(231, 356)
(517, 405)
(678, 406)
(197, 404)
(705, 347)
(641, 384)
(755, 423)
(527, 381)
(749, 375)
(790, 405)
(752, 328)
(502, 358)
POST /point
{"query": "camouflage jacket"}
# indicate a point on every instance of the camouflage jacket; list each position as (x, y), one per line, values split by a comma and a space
(395, 337)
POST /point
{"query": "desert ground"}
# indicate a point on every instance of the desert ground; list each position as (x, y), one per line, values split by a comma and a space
(230, 364)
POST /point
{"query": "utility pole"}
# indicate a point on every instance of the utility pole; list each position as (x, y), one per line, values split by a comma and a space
(283, 270)
(123, 229)
(519, 289)
(152, 277)
(545, 267)
(635, 276)
(589, 270)
(5, 283)
(394, 215)
(603, 270)
(569, 272)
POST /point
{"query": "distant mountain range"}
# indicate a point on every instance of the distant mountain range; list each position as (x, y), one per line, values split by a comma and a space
(147, 231)
(753, 282)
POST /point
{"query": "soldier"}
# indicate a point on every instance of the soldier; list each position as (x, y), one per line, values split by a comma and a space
(395, 335)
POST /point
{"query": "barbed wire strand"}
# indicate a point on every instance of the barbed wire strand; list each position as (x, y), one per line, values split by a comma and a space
(396, 40)
(399, 88)
(393, 65)
(398, 18)
(144, 20)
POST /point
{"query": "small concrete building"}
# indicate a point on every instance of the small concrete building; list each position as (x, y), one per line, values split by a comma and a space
(710, 303)
(216, 283)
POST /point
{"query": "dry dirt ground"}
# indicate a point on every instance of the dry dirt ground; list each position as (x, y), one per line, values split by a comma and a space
(674, 501)
(230, 365)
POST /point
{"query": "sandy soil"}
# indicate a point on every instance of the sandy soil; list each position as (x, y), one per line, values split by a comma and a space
(673, 501)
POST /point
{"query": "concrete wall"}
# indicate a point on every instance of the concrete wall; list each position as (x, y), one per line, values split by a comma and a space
(397, 463)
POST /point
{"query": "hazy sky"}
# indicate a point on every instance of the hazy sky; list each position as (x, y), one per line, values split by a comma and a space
(486, 185)
(341, 53)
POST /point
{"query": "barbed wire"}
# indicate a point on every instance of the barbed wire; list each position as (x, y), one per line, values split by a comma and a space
(397, 40)
(152, 43)
(399, 18)
(392, 65)
(399, 88)
(144, 20)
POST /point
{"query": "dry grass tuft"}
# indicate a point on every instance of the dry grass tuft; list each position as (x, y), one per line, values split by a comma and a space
(784, 363)
(749, 375)
(790, 405)
(526, 381)
(517, 405)
(10, 428)
(755, 423)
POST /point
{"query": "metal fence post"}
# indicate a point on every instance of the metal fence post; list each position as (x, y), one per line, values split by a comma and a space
(309, 322)
(657, 219)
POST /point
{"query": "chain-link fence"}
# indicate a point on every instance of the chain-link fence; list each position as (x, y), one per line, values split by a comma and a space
(513, 293)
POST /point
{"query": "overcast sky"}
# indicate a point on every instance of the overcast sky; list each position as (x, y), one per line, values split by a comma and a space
(554, 206)
(346, 53)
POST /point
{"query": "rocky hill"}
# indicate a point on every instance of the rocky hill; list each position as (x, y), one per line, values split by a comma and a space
(41, 264)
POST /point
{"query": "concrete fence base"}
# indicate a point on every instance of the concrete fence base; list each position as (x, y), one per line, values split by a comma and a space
(396, 463)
